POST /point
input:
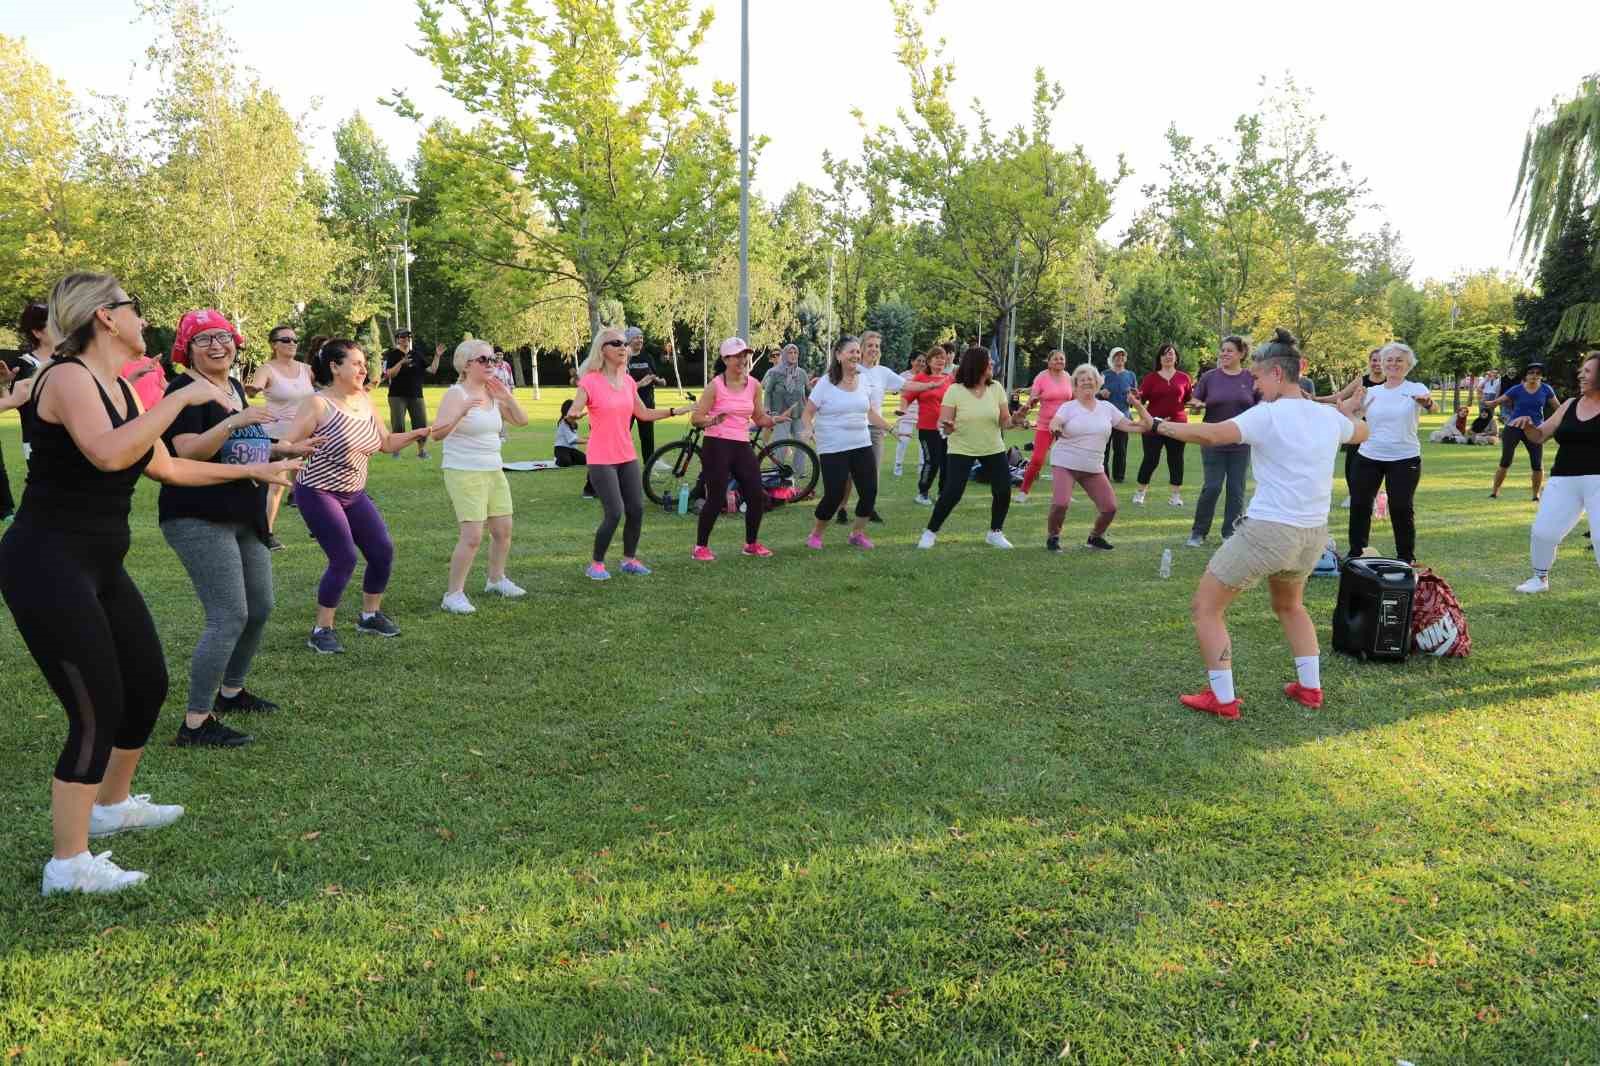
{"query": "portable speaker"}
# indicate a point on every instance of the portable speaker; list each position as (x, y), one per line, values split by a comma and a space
(1372, 618)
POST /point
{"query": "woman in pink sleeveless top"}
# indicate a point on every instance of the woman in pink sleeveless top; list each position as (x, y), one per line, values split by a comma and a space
(726, 410)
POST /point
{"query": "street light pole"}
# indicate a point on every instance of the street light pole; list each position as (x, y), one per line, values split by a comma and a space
(405, 244)
(744, 169)
(394, 286)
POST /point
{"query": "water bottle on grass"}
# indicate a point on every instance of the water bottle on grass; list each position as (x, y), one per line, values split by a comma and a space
(1166, 562)
(683, 499)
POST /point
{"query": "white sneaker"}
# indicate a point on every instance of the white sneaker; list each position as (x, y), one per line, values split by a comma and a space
(996, 539)
(1138, 497)
(1019, 496)
(506, 587)
(135, 812)
(1176, 501)
(1195, 541)
(923, 500)
(1535, 584)
(1346, 504)
(927, 539)
(899, 470)
(457, 603)
(87, 873)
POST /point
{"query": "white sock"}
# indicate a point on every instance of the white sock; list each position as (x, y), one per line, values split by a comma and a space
(1309, 667)
(1221, 685)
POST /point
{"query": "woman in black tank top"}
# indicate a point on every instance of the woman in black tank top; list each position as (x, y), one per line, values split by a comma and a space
(1574, 485)
(61, 571)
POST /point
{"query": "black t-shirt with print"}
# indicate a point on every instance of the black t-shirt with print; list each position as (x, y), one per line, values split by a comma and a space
(407, 383)
(639, 367)
(243, 502)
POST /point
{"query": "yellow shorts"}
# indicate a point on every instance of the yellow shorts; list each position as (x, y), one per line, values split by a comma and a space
(1260, 549)
(478, 494)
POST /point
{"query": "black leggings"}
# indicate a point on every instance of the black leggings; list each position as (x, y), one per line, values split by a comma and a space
(839, 469)
(1510, 437)
(955, 486)
(566, 456)
(7, 504)
(1153, 447)
(1401, 477)
(934, 449)
(720, 459)
(94, 640)
(1350, 453)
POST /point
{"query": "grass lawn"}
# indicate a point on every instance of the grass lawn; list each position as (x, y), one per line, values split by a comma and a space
(839, 807)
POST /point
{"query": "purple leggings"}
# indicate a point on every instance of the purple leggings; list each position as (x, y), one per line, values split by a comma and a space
(343, 522)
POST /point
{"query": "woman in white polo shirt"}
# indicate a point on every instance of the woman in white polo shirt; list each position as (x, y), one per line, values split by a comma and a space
(1391, 456)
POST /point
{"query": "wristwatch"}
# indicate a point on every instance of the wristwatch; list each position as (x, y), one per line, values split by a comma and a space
(1155, 425)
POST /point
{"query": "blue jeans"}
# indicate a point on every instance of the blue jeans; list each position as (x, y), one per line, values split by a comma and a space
(1222, 468)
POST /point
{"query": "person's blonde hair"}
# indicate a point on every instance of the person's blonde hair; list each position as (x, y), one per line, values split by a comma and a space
(73, 303)
(1099, 378)
(467, 349)
(596, 361)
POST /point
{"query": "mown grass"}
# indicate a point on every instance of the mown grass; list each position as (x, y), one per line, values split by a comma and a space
(896, 806)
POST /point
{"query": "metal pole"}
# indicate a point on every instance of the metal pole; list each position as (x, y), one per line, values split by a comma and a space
(406, 241)
(744, 169)
(827, 346)
(394, 287)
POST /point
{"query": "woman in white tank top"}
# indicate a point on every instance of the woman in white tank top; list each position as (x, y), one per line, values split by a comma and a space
(286, 383)
(471, 416)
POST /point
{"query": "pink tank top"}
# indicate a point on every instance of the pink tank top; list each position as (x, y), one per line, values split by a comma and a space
(737, 407)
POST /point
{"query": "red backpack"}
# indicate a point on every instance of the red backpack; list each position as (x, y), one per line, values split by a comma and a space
(1438, 624)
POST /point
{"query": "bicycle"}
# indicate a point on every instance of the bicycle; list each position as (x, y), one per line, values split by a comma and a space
(788, 464)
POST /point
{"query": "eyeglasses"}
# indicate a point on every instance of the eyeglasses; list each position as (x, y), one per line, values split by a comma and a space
(212, 340)
(486, 360)
(285, 340)
(611, 344)
(132, 301)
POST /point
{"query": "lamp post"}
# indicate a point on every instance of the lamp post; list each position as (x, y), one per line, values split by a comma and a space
(405, 246)
(744, 168)
(394, 286)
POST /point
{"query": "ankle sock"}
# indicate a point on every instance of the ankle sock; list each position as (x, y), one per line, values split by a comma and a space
(1309, 667)
(1221, 685)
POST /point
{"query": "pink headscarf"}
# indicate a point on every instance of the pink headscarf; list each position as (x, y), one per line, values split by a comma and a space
(199, 322)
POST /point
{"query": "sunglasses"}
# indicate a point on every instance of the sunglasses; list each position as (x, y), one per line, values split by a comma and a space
(612, 344)
(285, 340)
(132, 301)
(486, 360)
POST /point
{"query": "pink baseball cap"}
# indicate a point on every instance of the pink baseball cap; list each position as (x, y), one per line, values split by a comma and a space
(734, 346)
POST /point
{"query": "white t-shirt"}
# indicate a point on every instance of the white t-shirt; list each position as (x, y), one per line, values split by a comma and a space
(841, 421)
(1293, 444)
(1392, 417)
(880, 379)
(475, 443)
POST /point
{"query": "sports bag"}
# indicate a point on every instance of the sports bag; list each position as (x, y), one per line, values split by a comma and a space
(1438, 624)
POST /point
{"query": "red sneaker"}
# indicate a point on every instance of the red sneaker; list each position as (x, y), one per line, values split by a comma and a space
(1207, 701)
(1305, 697)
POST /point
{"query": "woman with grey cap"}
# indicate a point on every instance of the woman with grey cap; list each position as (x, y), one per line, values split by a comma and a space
(1119, 383)
(645, 375)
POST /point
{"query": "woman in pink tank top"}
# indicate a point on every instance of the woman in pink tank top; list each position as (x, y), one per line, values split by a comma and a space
(727, 410)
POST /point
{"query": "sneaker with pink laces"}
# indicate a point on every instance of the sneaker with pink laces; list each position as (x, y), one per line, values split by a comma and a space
(860, 540)
(702, 554)
(758, 549)
(814, 541)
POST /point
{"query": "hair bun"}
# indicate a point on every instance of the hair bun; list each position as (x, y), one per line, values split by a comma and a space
(1283, 336)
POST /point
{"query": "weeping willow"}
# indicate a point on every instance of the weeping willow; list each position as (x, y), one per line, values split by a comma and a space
(1560, 175)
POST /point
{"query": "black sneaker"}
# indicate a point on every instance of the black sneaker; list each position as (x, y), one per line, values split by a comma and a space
(243, 701)
(875, 517)
(1100, 543)
(1052, 544)
(274, 544)
(842, 518)
(324, 642)
(378, 624)
(211, 734)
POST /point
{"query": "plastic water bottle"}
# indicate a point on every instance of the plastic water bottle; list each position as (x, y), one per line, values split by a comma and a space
(1166, 562)
(1380, 507)
(683, 499)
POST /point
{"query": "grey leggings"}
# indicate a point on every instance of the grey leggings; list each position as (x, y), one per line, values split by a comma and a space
(232, 574)
(621, 493)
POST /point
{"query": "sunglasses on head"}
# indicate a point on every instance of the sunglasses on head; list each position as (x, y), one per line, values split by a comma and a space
(132, 301)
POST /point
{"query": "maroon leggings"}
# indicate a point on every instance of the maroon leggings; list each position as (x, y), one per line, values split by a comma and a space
(1098, 487)
(724, 459)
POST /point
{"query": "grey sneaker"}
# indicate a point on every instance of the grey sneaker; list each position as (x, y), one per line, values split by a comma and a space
(378, 624)
(325, 642)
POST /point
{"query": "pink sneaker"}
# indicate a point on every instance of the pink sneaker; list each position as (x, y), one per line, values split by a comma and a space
(702, 554)
(814, 541)
(758, 549)
(860, 540)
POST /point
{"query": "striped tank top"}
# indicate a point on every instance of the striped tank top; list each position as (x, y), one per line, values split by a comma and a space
(340, 465)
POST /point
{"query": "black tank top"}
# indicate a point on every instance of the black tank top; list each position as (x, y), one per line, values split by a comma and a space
(65, 491)
(1579, 440)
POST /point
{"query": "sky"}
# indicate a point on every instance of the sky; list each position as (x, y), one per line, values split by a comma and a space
(1429, 102)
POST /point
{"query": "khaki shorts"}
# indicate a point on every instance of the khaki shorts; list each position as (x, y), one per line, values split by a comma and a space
(478, 494)
(1260, 549)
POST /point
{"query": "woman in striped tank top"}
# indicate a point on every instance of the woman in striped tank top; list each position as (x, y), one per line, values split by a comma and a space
(331, 490)
(726, 410)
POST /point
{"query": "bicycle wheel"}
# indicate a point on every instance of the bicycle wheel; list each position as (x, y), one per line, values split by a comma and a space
(669, 468)
(789, 464)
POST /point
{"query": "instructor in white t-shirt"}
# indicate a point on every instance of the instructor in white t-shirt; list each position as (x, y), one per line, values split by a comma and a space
(1392, 454)
(1293, 443)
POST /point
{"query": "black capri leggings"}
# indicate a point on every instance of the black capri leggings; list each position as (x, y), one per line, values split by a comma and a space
(839, 469)
(934, 450)
(957, 475)
(721, 459)
(94, 640)
(1153, 447)
(1510, 437)
(1401, 477)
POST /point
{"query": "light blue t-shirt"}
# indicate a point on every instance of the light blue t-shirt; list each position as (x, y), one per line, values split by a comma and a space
(1119, 383)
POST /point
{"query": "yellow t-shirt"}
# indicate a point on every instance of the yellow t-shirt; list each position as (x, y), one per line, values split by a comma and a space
(977, 420)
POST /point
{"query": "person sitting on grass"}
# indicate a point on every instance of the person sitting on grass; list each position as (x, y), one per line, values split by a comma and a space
(567, 451)
(1294, 442)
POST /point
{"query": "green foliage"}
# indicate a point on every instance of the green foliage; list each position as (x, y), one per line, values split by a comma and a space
(1156, 309)
(365, 219)
(897, 322)
(1569, 277)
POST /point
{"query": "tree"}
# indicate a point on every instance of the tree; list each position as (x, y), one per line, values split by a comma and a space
(1568, 276)
(591, 157)
(896, 321)
(363, 216)
(1155, 310)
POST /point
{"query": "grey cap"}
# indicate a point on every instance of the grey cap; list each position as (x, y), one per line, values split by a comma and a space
(632, 333)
